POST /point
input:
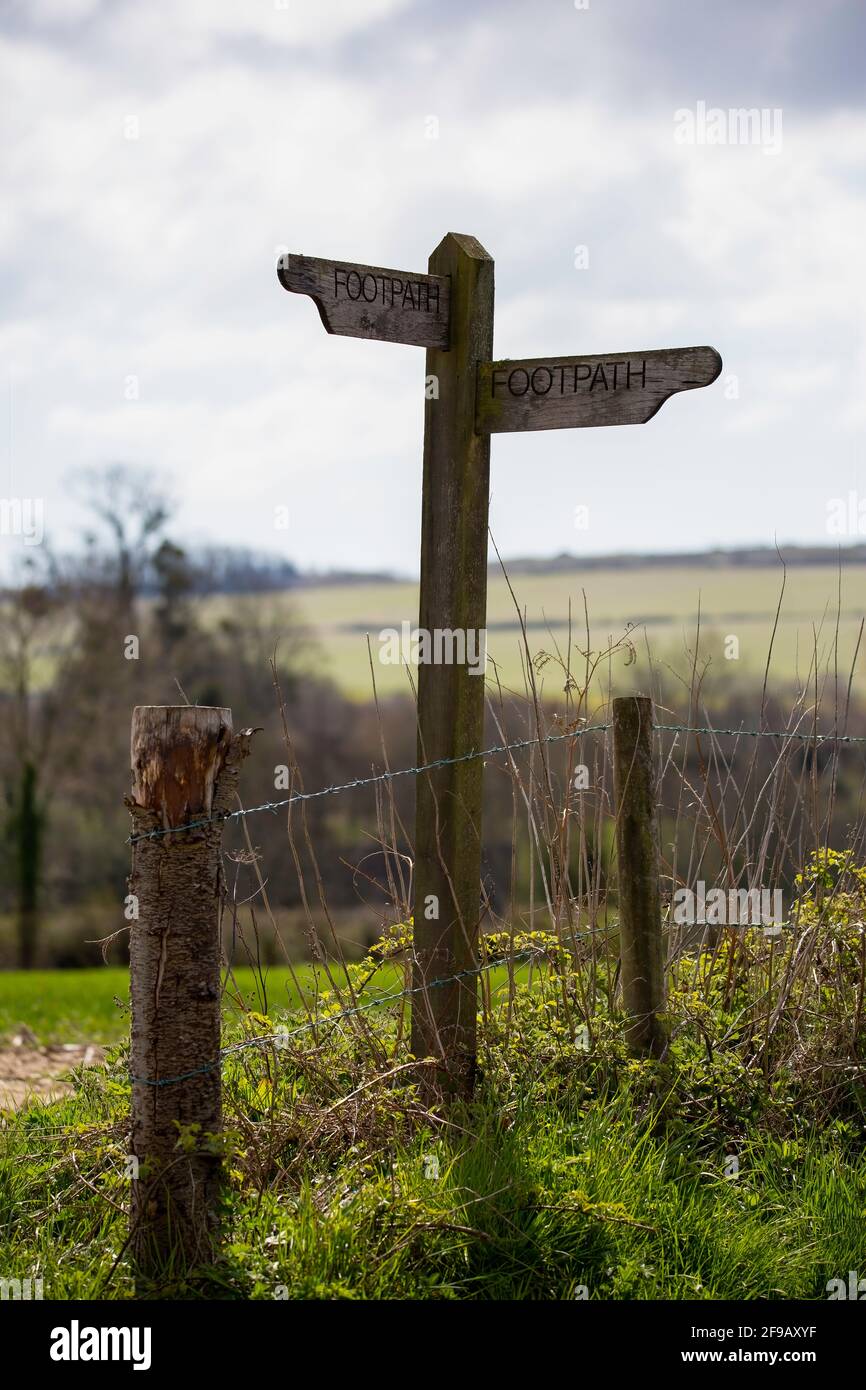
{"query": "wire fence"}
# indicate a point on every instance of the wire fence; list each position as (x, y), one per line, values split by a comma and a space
(282, 1037)
(519, 744)
(279, 1039)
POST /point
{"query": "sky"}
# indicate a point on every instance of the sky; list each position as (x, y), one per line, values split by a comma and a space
(157, 158)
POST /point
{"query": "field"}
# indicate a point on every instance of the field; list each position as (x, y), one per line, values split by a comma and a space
(92, 1006)
(660, 603)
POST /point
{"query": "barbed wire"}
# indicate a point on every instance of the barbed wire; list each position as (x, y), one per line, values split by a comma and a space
(363, 782)
(280, 1038)
(761, 733)
(379, 777)
(50, 1138)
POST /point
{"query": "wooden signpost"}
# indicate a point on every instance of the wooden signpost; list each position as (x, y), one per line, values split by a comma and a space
(450, 312)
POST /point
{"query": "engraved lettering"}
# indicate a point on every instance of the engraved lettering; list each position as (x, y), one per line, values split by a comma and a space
(538, 390)
(420, 295)
(562, 377)
(642, 374)
(538, 394)
(367, 301)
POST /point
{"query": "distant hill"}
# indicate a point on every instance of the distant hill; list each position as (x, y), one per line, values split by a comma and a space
(228, 569)
(233, 570)
(763, 556)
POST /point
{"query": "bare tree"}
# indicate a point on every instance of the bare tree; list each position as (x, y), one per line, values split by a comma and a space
(131, 509)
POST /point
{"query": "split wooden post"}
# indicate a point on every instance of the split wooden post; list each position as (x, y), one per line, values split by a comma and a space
(637, 843)
(453, 598)
(185, 766)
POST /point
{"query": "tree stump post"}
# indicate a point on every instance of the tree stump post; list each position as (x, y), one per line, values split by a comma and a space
(185, 767)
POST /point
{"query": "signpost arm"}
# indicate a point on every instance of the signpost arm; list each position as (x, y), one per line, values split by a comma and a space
(450, 697)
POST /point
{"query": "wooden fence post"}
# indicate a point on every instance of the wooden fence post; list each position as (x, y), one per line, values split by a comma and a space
(185, 766)
(453, 598)
(637, 843)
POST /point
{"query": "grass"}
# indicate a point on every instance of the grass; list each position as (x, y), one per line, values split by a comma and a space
(586, 1196)
(576, 1173)
(66, 1005)
(735, 1169)
(92, 1006)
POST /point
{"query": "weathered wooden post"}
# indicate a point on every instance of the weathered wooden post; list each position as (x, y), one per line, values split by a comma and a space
(637, 843)
(451, 696)
(185, 766)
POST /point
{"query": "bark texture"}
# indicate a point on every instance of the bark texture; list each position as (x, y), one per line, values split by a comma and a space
(185, 767)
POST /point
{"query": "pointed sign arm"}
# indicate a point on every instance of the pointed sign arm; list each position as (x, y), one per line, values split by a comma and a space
(368, 301)
(619, 388)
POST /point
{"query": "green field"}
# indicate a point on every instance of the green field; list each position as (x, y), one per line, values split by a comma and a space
(92, 1006)
(660, 603)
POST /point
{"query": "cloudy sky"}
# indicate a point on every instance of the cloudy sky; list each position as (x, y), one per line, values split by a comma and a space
(157, 158)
